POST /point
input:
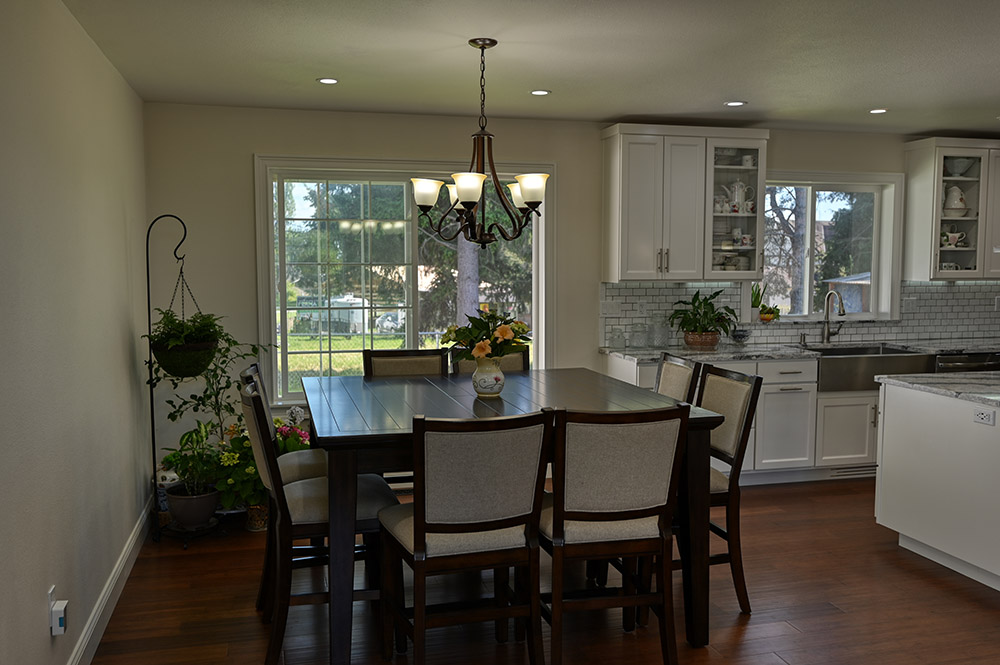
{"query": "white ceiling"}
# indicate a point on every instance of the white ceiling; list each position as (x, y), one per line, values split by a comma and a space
(810, 64)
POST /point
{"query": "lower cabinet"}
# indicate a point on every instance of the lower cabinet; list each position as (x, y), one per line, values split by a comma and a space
(786, 421)
(846, 428)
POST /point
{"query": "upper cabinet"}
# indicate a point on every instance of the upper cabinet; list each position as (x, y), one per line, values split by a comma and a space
(662, 184)
(952, 209)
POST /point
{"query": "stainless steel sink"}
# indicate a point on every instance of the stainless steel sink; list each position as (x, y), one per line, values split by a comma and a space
(844, 368)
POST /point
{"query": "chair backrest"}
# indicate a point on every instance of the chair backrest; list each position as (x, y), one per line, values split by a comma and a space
(734, 395)
(478, 474)
(617, 465)
(405, 362)
(263, 444)
(677, 377)
(252, 375)
(512, 362)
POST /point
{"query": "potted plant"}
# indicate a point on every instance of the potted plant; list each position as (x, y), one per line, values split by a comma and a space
(701, 321)
(769, 313)
(757, 291)
(196, 461)
(239, 482)
(488, 337)
(184, 347)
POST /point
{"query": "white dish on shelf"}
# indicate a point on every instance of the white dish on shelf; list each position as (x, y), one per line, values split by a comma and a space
(956, 212)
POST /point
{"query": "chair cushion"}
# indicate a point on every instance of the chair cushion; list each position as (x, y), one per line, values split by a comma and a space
(308, 503)
(579, 531)
(398, 521)
(302, 464)
(718, 482)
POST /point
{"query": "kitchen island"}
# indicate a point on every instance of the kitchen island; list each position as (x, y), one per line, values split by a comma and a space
(938, 455)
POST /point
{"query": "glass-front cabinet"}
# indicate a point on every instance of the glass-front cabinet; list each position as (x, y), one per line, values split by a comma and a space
(952, 209)
(734, 238)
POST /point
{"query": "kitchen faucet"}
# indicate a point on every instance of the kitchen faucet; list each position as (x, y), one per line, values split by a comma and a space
(827, 333)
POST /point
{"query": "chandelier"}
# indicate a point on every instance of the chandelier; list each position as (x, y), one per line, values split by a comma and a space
(467, 194)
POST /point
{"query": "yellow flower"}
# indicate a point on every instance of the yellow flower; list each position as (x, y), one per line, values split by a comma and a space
(231, 481)
(229, 459)
(251, 470)
(482, 349)
(504, 332)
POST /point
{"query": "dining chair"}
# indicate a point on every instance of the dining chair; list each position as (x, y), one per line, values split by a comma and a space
(405, 362)
(302, 512)
(734, 395)
(614, 491)
(512, 362)
(677, 377)
(476, 505)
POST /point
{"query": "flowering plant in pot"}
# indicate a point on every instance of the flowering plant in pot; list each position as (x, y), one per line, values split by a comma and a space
(488, 337)
(701, 320)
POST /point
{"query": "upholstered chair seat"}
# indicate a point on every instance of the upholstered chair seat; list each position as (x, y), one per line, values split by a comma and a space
(308, 501)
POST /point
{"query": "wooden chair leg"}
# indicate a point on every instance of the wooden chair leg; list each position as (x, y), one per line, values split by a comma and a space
(501, 586)
(736, 556)
(645, 575)
(597, 572)
(267, 571)
(536, 654)
(388, 593)
(557, 606)
(628, 589)
(282, 597)
(665, 613)
(522, 594)
(400, 595)
(419, 613)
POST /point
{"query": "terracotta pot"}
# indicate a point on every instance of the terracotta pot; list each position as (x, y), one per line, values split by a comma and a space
(708, 340)
(257, 518)
(191, 512)
(487, 380)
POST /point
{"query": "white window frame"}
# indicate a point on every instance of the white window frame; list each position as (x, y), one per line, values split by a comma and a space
(887, 241)
(265, 167)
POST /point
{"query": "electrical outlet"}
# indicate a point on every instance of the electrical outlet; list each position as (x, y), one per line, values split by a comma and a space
(909, 305)
(984, 417)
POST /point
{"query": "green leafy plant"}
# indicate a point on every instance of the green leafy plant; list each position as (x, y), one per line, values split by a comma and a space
(757, 292)
(239, 481)
(172, 331)
(701, 315)
(195, 460)
(488, 335)
(769, 313)
(219, 394)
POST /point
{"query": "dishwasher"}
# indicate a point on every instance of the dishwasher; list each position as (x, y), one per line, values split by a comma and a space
(968, 362)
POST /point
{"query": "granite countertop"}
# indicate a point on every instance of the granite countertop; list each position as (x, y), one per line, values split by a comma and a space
(980, 345)
(981, 387)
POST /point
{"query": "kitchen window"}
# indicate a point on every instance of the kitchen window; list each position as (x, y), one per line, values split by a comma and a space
(345, 265)
(834, 232)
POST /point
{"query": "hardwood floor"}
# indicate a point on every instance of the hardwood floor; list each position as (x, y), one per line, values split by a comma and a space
(827, 585)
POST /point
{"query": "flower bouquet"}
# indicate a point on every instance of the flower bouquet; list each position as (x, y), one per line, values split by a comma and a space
(488, 337)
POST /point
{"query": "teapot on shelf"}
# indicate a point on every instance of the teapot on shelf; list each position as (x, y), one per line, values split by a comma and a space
(738, 194)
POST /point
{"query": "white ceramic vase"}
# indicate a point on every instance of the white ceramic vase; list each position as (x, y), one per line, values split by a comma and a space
(487, 380)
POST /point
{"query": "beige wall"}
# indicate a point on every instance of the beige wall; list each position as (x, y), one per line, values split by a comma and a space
(74, 446)
(200, 167)
(790, 150)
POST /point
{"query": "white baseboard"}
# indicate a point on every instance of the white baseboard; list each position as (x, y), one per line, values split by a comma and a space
(971, 571)
(86, 647)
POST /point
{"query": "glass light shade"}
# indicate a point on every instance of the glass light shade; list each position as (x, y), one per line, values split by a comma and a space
(469, 186)
(453, 197)
(515, 195)
(532, 187)
(425, 191)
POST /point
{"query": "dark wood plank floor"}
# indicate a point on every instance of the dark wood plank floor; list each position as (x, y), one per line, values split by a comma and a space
(828, 586)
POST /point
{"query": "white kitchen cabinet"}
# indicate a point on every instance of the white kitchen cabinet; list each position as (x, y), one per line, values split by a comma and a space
(786, 415)
(941, 200)
(642, 374)
(734, 209)
(846, 428)
(655, 198)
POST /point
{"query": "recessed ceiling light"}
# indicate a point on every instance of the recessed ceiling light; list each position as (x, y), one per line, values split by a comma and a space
(541, 93)
(736, 102)
(878, 111)
(326, 80)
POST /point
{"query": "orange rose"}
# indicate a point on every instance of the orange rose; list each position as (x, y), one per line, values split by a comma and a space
(504, 332)
(482, 349)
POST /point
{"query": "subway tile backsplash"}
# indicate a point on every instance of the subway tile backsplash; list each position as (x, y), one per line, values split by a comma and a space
(930, 310)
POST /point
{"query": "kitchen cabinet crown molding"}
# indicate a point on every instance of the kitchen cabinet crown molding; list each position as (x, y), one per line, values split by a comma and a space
(685, 130)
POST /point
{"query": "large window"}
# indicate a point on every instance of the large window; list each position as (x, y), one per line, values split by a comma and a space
(350, 268)
(830, 236)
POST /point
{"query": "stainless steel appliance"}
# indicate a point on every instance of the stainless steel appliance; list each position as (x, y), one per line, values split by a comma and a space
(968, 362)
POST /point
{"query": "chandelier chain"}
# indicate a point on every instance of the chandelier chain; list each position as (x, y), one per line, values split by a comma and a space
(482, 87)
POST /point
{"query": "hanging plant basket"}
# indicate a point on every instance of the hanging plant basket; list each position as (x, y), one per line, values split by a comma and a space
(185, 360)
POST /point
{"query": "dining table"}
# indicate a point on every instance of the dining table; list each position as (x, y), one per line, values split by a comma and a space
(365, 425)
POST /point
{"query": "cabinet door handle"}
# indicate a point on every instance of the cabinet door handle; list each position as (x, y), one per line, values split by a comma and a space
(790, 371)
(666, 260)
(788, 389)
(875, 416)
(659, 261)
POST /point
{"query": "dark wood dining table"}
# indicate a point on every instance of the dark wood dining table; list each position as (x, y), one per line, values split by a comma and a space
(366, 427)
